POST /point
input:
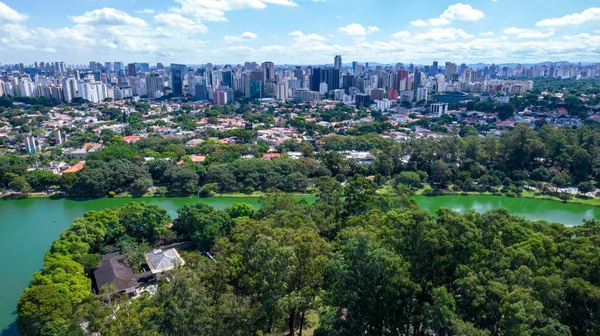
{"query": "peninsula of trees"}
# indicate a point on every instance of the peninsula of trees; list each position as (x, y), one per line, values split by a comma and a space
(364, 264)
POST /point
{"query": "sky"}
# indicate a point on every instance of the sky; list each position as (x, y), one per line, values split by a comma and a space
(299, 31)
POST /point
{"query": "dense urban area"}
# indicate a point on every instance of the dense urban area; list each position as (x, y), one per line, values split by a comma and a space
(362, 139)
(112, 130)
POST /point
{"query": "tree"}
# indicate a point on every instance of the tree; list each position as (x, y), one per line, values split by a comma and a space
(237, 210)
(39, 306)
(410, 179)
(144, 221)
(560, 180)
(141, 185)
(505, 111)
(586, 187)
(181, 179)
(441, 173)
(581, 166)
(202, 223)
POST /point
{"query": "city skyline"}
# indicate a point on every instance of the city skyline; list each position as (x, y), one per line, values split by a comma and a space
(299, 32)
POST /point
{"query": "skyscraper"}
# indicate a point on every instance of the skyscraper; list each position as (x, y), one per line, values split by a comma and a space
(131, 69)
(316, 78)
(177, 73)
(337, 62)
(268, 72)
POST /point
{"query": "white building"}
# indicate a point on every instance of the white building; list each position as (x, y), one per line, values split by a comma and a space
(439, 109)
(323, 88)
(422, 94)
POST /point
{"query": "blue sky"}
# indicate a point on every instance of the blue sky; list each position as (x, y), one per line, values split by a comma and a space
(299, 31)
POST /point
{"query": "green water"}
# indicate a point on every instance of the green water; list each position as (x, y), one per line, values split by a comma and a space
(28, 227)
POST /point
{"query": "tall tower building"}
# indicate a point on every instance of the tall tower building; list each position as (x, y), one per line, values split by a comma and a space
(177, 73)
(131, 71)
(268, 71)
(337, 62)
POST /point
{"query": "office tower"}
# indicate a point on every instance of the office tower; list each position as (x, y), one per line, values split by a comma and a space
(363, 100)
(462, 69)
(316, 78)
(144, 67)
(227, 79)
(348, 82)
(255, 89)
(418, 79)
(332, 78)
(118, 66)
(434, 69)
(354, 64)
(177, 73)
(108, 67)
(268, 72)
(450, 69)
(200, 93)
(154, 86)
(337, 62)
(131, 70)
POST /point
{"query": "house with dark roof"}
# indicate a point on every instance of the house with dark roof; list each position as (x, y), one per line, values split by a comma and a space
(114, 271)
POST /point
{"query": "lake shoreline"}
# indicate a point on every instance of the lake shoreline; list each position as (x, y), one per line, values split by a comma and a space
(592, 201)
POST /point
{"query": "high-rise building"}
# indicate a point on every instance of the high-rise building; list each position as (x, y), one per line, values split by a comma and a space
(200, 93)
(118, 66)
(418, 79)
(131, 71)
(434, 69)
(422, 94)
(220, 97)
(331, 76)
(363, 100)
(316, 78)
(451, 69)
(268, 72)
(154, 86)
(337, 62)
(177, 73)
(354, 64)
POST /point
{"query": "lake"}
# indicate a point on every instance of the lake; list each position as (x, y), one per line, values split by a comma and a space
(28, 227)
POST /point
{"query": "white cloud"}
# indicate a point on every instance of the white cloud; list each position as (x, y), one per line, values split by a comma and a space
(214, 10)
(298, 35)
(436, 34)
(487, 33)
(419, 23)
(145, 11)
(462, 12)
(246, 36)
(588, 15)
(401, 34)
(8, 14)
(109, 17)
(356, 29)
(528, 33)
(458, 12)
(179, 22)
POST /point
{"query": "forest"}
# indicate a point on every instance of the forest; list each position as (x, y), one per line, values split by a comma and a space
(366, 264)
